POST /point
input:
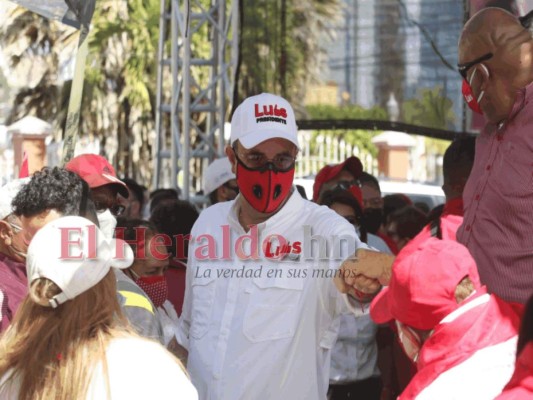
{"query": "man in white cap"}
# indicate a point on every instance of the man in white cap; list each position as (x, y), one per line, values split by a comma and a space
(13, 282)
(260, 314)
(219, 181)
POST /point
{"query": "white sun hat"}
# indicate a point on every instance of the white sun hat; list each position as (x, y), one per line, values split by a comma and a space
(262, 117)
(216, 174)
(74, 254)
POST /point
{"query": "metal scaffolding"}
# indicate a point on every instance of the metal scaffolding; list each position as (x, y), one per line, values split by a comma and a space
(198, 53)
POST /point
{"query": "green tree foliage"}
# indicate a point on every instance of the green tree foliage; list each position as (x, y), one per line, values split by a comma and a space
(356, 137)
(277, 59)
(433, 109)
(430, 108)
(118, 103)
(121, 81)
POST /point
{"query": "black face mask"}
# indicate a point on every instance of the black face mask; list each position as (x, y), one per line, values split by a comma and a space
(372, 219)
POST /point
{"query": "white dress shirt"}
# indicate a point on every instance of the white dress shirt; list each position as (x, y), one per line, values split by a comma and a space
(264, 336)
(355, 354)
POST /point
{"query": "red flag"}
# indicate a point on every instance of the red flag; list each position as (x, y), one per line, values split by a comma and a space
(24, 171)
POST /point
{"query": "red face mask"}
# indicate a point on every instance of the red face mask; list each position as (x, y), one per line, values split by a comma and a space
(155, 287)
(471, 101)
(264, 188)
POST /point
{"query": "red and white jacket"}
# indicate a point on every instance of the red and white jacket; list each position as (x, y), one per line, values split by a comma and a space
(470, 355)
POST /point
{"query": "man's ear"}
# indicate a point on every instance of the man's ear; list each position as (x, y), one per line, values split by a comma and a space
(5, 232)
(231, 157)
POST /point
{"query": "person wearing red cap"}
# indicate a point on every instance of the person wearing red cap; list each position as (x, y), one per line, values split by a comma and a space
(329, 176)
(105, 187)
(346, 177)
(104, 184)
(461, 338)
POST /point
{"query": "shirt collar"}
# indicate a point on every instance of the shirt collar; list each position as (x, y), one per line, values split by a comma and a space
(15, 266)
(522, 96)
(454, 207)
(287, 211)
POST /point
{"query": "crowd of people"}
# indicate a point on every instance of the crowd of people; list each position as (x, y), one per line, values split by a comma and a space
(110, 291)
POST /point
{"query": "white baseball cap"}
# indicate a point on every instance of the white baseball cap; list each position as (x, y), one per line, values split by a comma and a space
(216, 174)
(262, 117)
(74, 254)
(8, 193)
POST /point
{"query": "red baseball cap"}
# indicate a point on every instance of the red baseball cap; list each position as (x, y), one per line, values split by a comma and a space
(351, 164)
(423, 283)
(356, 192)
(96, 171)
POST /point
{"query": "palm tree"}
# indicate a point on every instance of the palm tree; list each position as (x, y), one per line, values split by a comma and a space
(271, 49)
(120, 82)
(36, 50)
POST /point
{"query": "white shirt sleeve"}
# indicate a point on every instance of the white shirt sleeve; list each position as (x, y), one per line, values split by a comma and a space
(184, 323)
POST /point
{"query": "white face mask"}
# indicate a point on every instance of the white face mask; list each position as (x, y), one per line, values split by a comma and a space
(107, 222)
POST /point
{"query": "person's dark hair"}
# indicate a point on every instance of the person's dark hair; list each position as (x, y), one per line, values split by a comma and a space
(136, 189)
(127, 229)
(301, 190)
(367, 179)
(175, 218)
(162, 196)
(458, 159)
(422, 206)
(90, 211)
(171, 191)
(51, 189)
(342, 196)
(213, 197)
(435, 214)
(409, 221)
(394, 202)
(526, 329)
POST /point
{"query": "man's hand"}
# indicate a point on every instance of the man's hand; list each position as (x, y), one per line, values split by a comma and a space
(365, 272)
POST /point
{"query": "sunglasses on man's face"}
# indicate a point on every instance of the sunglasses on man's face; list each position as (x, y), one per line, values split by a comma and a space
(115, 209)
(463, 68)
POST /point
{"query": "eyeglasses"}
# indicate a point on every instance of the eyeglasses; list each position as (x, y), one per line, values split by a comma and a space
(463, 68)
(115, 209)
(345, 185)
(15, 227)
(234, 188)
(258, 161)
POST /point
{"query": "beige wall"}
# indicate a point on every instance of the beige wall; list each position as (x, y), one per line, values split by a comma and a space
(393, 163)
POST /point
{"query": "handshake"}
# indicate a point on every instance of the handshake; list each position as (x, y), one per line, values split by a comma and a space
(364, 273)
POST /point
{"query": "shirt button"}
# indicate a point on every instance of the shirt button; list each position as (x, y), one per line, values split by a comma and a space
(477, 197)
(468, 228)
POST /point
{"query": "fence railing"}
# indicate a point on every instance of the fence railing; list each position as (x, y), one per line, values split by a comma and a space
(328, 150)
